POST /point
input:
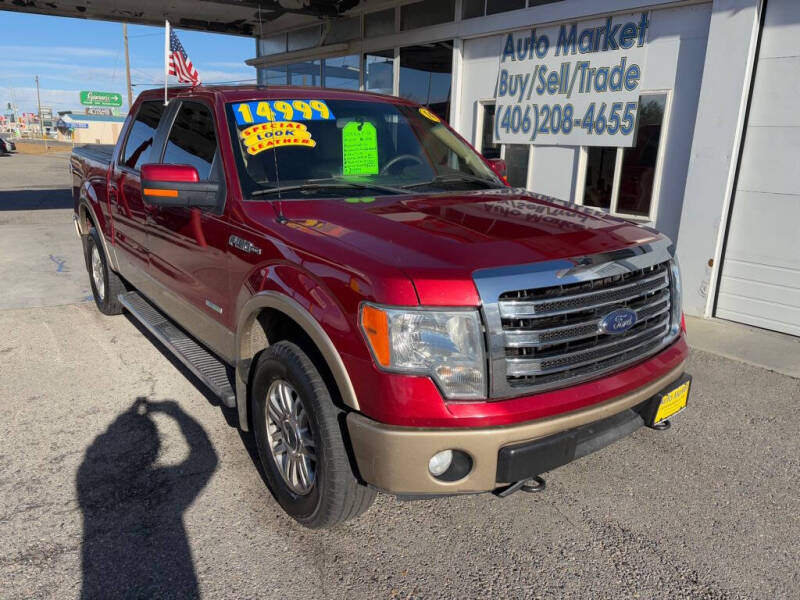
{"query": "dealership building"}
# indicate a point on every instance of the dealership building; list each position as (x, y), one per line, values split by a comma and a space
(679, 115)
(711, 159)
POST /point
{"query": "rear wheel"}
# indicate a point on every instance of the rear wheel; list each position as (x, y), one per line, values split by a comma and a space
(299, 440)
(106, 285)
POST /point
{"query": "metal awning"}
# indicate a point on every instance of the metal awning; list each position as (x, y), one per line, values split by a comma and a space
(239, 17)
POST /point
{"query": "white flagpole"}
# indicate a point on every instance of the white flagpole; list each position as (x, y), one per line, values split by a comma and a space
(166, 59)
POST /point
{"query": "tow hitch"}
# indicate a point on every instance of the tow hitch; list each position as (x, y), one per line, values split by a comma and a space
(532, 486)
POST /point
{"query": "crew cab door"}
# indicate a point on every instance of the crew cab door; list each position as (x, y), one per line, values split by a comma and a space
(188, 245)
(125, 194)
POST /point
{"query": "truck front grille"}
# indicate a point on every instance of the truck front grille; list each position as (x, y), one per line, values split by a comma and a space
(552, 334)
(545, 333)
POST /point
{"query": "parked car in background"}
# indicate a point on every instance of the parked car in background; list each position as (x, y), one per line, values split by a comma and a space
(7, 146)
(393, 316)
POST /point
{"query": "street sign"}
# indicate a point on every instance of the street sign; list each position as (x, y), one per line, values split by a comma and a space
(99, 110)
(47, 115)
(90, 98)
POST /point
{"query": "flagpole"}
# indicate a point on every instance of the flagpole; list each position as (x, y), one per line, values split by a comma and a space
(166, 59)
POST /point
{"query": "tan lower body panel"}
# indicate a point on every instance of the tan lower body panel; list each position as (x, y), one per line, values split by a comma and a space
(395, 459)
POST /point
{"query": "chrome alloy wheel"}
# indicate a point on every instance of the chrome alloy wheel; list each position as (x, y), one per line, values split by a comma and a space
(97, 274)
(289, 437)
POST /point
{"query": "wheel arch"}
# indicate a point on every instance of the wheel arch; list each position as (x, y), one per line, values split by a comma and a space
(88, 217)
(252, 337)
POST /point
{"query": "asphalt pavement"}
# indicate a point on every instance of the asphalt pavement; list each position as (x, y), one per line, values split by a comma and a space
(120, 477)
(40, 263)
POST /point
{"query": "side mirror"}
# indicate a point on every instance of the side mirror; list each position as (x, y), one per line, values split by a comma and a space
(498, 165)
(177, 185)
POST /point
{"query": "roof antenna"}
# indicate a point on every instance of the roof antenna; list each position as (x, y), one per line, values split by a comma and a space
(281, 218)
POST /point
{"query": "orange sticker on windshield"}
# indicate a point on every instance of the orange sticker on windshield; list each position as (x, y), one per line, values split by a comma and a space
(266, 136)
(429, 115)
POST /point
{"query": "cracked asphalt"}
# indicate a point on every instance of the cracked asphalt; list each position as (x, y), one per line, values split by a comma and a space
(120, 477)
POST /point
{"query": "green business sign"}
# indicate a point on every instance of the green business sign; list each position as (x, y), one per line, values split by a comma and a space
(101, 99)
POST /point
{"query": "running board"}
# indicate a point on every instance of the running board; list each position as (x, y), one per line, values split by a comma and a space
(205, 366)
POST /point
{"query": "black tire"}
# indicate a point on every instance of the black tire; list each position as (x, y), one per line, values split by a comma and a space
(336, 495)
(105, 299)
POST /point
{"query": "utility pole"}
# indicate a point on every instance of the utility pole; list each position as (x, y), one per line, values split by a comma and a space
(41, 124)
(127, 65)
(14, 108)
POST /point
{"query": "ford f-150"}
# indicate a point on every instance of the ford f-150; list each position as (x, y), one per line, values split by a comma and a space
(384, 312)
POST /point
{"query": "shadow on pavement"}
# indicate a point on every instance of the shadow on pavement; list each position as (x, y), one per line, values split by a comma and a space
(134, 541)
(36, 199)
(230, 414)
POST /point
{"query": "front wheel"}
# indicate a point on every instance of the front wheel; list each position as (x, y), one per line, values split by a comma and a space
(299, 440)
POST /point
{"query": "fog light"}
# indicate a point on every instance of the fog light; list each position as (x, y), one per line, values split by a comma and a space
(440, 462)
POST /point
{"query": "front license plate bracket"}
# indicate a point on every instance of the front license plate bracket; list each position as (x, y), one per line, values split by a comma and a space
(668, 402)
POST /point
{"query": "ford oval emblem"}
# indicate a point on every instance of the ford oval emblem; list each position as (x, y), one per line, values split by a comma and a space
(618, 321)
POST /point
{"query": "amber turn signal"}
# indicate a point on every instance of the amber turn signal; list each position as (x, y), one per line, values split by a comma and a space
(375, 324)
(159, 192)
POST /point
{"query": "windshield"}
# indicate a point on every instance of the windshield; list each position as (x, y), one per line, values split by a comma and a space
(298, 148)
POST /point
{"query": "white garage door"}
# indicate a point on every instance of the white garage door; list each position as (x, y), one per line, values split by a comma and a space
(760, 283)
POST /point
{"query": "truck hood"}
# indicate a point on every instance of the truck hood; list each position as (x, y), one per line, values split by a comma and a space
(446, 237)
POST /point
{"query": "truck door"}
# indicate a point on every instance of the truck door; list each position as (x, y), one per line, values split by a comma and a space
(188, 246)
(125, 194)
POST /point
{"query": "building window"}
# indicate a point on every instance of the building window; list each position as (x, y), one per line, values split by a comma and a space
(426, 13)
(623, 180)
(306, 73)
(498, 6)
(479, 8)
(426, 75)
(379, 72)
(275, 44)
(344, 30)
(487, 147)
(473, 8)
(600, 166)
(343, 72)
(639, 163)
(517, 156)
(272, 75)
(305, 38)
(379, 23)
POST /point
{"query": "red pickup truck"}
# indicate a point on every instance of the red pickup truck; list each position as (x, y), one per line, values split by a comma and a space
(383, 311)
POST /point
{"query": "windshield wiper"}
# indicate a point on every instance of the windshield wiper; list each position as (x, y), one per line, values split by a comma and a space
(331, 182)
(456, 178)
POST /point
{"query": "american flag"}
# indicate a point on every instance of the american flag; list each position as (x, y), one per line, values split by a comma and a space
(179, 63)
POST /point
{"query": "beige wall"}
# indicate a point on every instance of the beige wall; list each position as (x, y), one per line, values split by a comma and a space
(98, 132)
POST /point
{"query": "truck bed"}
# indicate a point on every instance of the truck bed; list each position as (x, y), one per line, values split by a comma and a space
(89, 166)
(97, 153)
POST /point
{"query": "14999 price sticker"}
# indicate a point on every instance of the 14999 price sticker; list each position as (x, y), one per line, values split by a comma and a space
(540, 119)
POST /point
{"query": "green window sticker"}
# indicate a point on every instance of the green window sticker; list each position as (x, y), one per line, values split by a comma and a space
(359, 149)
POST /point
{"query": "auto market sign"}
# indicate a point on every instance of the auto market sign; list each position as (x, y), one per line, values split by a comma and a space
(576, 84)
(89, 98)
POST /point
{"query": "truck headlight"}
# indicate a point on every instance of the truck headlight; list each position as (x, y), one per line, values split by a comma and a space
(446, 345)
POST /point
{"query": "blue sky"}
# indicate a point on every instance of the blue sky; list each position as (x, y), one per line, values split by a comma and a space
(70, 55)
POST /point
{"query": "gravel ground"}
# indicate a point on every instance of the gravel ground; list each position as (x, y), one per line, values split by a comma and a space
(120, 477)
